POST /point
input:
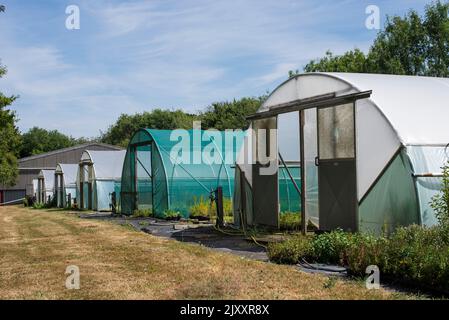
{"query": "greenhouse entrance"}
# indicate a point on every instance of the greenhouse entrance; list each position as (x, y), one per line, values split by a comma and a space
(328, 159)
(337, 182)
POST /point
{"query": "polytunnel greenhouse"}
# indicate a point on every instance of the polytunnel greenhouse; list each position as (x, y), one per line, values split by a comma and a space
(45, 186)
(371, 148)
(65, 184)
(98, 178)
(166, 170)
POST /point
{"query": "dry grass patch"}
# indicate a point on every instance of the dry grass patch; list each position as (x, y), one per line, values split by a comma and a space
(115, 262)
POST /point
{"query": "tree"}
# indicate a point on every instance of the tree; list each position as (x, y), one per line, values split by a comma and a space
(121, 132)
(10, 139)
(409, 45)
(230, 115)
(351, 61)
(38, 140)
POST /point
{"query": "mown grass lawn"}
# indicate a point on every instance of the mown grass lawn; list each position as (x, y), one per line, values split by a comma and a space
(116, 262)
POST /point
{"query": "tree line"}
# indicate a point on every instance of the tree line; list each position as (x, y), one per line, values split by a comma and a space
(408, 45)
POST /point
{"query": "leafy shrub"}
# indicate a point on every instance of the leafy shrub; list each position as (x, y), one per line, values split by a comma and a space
(38, 205)
(142, 213)
(201, 208)
(413, 254)
(290, 250)
(290, 221)
(171, 214)
(330, 247)
(440, 202)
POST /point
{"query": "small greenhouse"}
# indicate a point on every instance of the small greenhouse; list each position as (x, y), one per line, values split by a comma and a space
(45, 186)
(371, 148)
(173, 169)
(98, 178)
(65, 184)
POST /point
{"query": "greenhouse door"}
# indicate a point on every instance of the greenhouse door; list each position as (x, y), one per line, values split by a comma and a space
(337, 187)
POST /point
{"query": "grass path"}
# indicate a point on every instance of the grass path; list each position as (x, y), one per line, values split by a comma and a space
(116, 262)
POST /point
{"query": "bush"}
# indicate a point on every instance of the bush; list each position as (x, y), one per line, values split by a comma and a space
(330, 247)
(415, 255)
(201, 208)
(289, 251)
(290, 221)
(440, 202)
(172, 215)
(142, 213)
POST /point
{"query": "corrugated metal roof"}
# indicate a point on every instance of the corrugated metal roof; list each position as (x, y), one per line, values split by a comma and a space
(80, 146)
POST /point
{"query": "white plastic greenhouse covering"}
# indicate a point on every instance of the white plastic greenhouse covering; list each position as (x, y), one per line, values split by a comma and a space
(48, 177)
(403, 113)
(69, 173)
(35, 190)
(107, 172)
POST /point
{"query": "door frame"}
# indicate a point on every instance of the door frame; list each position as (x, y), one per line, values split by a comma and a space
(354, 159)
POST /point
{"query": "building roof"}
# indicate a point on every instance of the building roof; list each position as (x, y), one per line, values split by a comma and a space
(79, 146)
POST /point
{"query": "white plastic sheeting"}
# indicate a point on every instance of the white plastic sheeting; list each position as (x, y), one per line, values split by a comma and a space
(69, 172)
(106, 176)
(107, 165)
(427, 160)
(48, 177)
(69, 177)
(35, 187)
(416, 107)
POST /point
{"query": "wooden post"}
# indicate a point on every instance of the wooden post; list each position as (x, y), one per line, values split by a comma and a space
(219, 203)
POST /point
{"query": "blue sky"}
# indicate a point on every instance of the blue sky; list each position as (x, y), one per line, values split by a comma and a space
(132, 56)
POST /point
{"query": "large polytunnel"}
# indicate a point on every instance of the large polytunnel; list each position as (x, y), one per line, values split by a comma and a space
(373, 145)
(65, 184)
(45, 186)
(98, 178)
(172, 169)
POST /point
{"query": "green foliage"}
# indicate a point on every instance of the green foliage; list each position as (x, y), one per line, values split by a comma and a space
(414, 254)
(201, 208)
(171, 214)
(351, 61)
(38, 140)
(220, 115)
(290, 251)
(329, 247)
(121, 132)
(290, 221)
(10, 139)
(230, 115)
(142, 213)
(409, 45)
(440, 202)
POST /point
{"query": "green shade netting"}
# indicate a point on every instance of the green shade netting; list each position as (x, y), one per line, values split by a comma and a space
(172, 169)
(289, 198)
